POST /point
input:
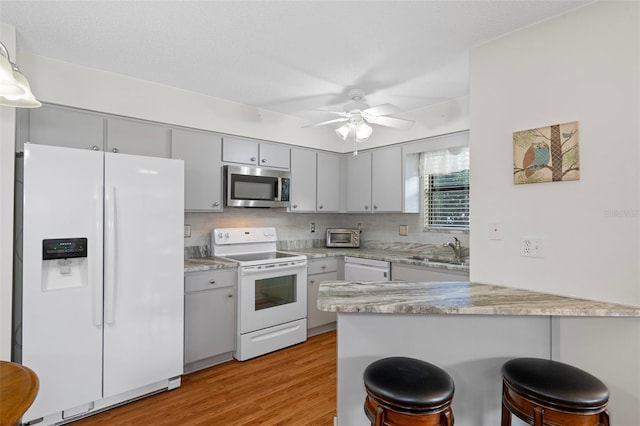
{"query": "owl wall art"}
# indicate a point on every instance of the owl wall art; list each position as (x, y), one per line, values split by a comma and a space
(546, 154)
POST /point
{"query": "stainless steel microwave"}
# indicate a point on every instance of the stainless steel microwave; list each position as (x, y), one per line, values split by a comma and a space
(343, 237)
(247, 186)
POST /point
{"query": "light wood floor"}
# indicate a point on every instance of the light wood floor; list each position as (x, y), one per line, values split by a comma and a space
(295, 386)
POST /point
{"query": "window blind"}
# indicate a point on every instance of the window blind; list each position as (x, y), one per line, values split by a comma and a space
(446, 188)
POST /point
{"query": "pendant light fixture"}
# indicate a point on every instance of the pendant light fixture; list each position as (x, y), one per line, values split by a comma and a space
(14, 87)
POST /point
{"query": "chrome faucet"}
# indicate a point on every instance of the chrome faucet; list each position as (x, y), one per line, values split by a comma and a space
(456, 247)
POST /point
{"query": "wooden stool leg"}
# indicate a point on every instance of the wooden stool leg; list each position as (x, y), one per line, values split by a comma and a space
(380, 417)
(604, 418)
(506, 416)
(446, 419)
(538, 416)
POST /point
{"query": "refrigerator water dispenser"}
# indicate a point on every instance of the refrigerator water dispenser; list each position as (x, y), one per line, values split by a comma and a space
(64, 263)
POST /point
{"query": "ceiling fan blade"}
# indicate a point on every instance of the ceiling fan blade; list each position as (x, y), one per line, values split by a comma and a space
(340, 113)
(335, 120)
(383, 109)
(396, 123)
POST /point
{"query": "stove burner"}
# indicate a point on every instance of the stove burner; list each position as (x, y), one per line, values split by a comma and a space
(251, 257)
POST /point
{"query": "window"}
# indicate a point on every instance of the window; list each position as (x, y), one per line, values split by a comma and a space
(445, 177)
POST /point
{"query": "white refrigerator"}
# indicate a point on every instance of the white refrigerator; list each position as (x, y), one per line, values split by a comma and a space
(102, 278)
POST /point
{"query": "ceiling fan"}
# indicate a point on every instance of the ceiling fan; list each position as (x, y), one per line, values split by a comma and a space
(357, 116)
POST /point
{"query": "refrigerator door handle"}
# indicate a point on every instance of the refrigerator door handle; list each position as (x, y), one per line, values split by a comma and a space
(111, 263)
(97, 279)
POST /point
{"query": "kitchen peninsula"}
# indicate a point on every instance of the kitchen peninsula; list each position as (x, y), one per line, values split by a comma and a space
(469, 329)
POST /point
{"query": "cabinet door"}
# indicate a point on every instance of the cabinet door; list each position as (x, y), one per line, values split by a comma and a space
(133, 137)
(209, 323)
(67, 128)
(329, 187)
(236, 150)
(359, 182)
(202, 155)
(386, 184)
(316, 317)
(303, 180)
(273, 155)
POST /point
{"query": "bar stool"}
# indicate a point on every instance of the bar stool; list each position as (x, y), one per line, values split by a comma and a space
(549, 393)
(407, 392)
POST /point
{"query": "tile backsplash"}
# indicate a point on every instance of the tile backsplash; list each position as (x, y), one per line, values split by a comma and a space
(296, 226)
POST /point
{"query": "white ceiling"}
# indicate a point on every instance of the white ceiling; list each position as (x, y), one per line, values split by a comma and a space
(285, 56)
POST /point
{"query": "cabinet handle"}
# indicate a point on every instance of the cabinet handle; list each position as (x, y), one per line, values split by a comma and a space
(295, 206)
(216, 204)
(212, 281)
(264, 160)
(230, 295)
(320, 207)
(312, 281)
(95, 148)
(375, 207)
(366, 207)
(253, 158)
(324, 266)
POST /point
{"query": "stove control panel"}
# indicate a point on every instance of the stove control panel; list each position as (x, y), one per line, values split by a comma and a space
(243, 235)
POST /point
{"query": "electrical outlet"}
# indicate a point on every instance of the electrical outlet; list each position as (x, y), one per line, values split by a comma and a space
(312, 227)
(404, 230)
(531, 247)
(187, 231)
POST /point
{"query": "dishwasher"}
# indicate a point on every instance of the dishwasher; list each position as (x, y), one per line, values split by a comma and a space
(356, 269)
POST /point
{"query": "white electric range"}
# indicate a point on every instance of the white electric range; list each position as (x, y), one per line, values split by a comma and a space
(272, 290)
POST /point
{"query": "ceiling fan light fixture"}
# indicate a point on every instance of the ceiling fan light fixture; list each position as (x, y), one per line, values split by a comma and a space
(344, 130)
(14, 87)
(363, 132)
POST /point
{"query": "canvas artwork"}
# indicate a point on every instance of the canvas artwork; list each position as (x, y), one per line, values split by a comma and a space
(546, 154)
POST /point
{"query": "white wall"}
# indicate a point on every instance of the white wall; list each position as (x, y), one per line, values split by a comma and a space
(584, 66)
(7, 137)
(72, 85)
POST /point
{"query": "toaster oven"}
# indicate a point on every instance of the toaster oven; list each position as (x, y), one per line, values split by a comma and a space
(343, 237)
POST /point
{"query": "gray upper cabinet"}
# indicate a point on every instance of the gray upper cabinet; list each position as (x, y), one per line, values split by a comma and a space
(202, 155)
(329, 186)
(274, 155)
(386, 180)
(374, 181)
(137, 138)
(65, 127)
(263, 154)
(303, 180)
(359, 182)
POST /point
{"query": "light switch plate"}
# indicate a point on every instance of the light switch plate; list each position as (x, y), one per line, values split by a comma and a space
(187, 231)
(404, 230)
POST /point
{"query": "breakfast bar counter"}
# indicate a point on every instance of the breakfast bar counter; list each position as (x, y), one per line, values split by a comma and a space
(469, 329)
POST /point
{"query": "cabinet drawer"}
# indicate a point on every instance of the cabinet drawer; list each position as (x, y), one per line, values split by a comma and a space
(321, 266)
(205, 280)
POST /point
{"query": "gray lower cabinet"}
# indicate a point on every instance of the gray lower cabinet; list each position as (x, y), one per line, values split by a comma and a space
(325, 269)
(209, 318)
(419, 273)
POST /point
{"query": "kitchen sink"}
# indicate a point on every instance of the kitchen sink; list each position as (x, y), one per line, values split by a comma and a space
(436, 260)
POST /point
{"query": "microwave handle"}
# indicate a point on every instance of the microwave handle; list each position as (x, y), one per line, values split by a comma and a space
(279, 190)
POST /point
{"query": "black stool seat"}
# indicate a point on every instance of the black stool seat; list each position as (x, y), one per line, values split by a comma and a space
(555, 384)
(408, 385)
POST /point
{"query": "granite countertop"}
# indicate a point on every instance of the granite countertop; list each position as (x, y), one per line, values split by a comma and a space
(200, 258)
(397, 256)
(207, 264)
(457, 298)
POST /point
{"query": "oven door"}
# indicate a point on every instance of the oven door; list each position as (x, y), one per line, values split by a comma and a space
(271, 295)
